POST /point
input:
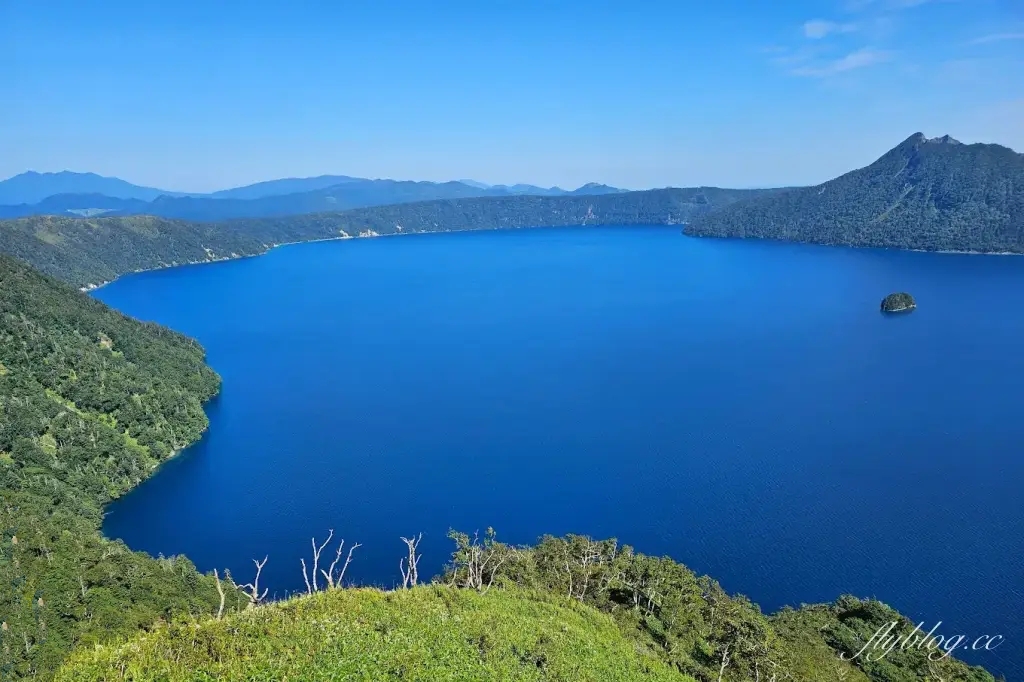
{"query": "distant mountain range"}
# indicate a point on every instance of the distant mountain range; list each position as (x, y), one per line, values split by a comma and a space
(32, 187)
(88, 195)
(932, 194)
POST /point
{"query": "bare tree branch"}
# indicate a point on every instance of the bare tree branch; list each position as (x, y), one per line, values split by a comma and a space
(220, 591)
(254, 594)
(411, 576)
(333, 579)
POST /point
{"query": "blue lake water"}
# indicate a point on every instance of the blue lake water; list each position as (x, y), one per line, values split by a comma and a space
(742, 406)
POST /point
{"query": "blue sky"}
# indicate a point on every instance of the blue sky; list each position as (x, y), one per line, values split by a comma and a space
(201, 95)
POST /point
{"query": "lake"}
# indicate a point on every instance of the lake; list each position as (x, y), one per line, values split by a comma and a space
(741, 406)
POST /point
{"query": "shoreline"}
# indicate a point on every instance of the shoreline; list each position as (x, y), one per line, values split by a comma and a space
(370, 234)
(344, 236)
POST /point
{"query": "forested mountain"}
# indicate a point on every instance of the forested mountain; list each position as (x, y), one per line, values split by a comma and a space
(90, 402)
(275, 198)
(32, 187)
(934, 194)
(94, 250)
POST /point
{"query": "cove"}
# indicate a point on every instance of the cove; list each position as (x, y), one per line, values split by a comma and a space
(741, 406)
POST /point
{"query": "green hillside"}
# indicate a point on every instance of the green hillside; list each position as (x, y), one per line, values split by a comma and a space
(86, 251)
(566, 609)
(90, 403)
(428, 633)
(932, 194)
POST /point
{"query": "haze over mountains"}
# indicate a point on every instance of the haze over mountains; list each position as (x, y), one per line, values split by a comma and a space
(88, 194)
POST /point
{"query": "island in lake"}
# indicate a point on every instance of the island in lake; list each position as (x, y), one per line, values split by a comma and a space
(898, 303)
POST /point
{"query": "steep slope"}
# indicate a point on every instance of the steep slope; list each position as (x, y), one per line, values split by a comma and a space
(934, 194)
(93, 250)
(429, 633)
(90, 403)
(32, 187)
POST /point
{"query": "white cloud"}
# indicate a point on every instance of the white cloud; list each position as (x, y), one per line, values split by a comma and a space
(820, 28)
(996, 38)
(859, 59)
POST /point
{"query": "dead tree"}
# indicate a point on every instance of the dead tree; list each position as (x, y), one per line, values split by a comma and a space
(220, 591)
(253, 589)
(725, 662)
(311, 588)
(333, 580)
(410, 575)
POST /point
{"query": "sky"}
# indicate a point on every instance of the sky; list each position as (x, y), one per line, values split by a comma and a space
(198, 95)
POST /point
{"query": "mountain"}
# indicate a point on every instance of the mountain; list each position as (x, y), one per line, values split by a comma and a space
(32, 187)
(277, 198)
(592, 188)
(95, 250)
(83, 205)
(272, 188)
(932, 194)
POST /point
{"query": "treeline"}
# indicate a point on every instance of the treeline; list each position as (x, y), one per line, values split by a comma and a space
(90, 403)
(86, 251)
(693, 624)
(924, 194)
(549, 611)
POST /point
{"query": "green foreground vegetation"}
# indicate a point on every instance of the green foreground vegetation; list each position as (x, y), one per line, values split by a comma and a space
(568, 609)
(428, 633)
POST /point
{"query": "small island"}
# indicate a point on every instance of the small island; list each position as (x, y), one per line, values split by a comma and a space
(898, 303)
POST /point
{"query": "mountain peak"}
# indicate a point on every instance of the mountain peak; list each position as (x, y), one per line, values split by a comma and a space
(919, 194)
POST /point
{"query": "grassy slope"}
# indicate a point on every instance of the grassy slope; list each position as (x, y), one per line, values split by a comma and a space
(430, 633)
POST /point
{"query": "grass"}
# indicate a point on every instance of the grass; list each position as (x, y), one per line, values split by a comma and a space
(430, 633)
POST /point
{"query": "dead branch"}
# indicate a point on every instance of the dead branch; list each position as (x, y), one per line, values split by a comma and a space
(220, 591)
(410, 576)
(254, 594)
(335, 580)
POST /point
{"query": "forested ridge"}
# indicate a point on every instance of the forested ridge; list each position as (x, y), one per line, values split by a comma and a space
(931, 194)
(90, 403)
(90, 251)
